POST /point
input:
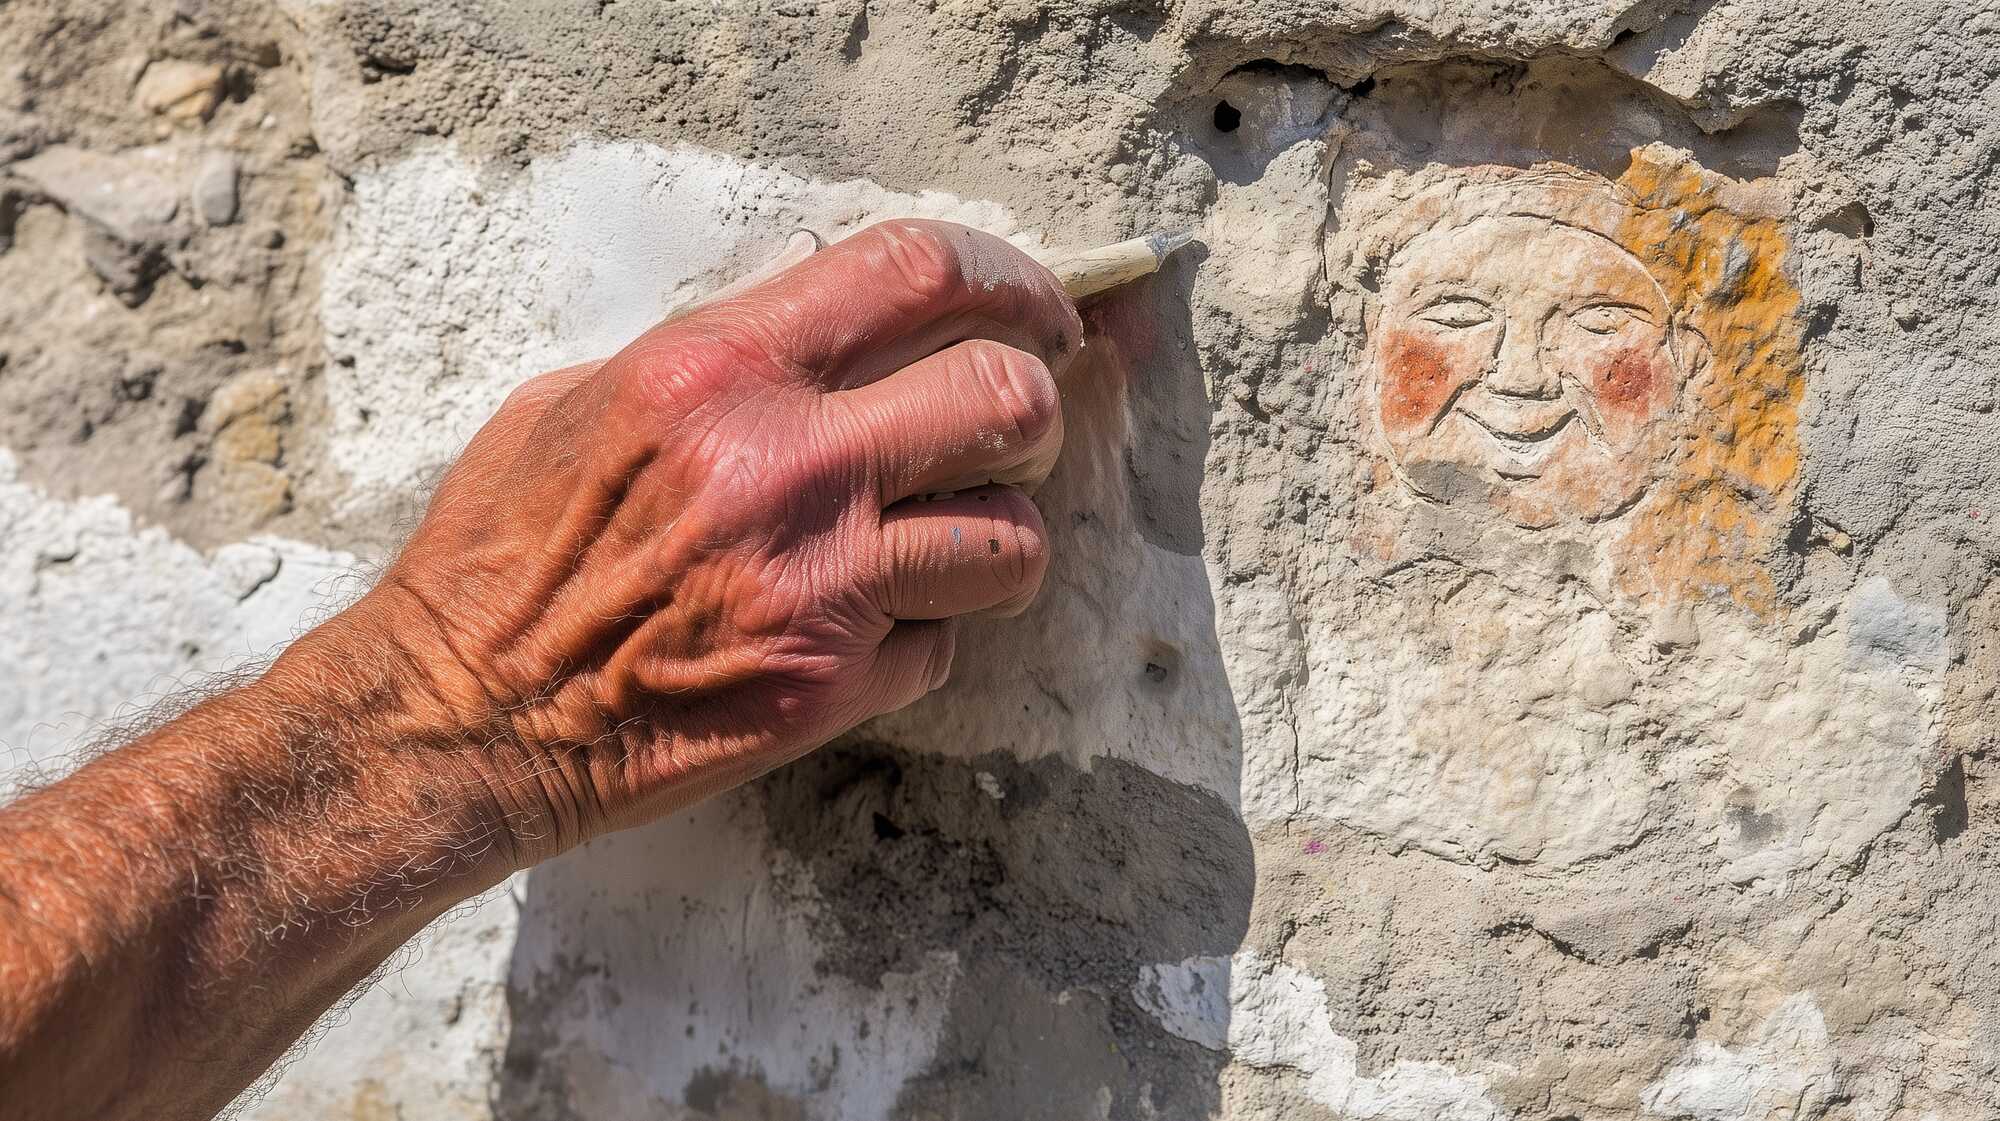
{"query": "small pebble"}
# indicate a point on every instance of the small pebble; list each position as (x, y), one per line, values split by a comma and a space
(180, 91)
(215, 189)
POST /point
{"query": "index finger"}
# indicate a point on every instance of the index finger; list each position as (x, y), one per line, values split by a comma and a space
(892, 294)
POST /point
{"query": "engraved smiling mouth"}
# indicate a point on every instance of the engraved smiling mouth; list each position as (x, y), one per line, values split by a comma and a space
(1528, 447)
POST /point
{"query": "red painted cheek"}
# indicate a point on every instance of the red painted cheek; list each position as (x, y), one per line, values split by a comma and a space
(1418, 377)
(1626, 381)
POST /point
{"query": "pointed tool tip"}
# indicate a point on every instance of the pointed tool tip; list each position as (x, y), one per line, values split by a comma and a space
(1166, 241)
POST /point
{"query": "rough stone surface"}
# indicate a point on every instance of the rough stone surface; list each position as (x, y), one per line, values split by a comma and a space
(1522, 635)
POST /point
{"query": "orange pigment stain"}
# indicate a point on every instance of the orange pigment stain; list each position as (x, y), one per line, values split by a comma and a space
(1726, 505)
(1416, 381)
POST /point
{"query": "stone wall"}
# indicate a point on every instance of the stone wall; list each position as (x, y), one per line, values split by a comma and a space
(1521, 638)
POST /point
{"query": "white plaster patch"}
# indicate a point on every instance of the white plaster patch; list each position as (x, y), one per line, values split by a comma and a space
(450, 284)
(431, 1030)
(659, 959)
(1786, 1070)
(1820, 747)
(1499, 727)
(447, 286)
(98, 616)
(1133, 605)
(1276, 1015)
(1189, 998)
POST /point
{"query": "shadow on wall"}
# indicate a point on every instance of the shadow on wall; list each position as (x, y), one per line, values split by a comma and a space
(946, 914)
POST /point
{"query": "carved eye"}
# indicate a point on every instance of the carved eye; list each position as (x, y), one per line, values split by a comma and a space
(1605, 319)
(1456, 312)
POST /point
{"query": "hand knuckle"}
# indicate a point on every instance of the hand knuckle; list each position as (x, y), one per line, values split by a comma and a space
(1018, 387)
(527, 395)
(673, 371)
(920, 257)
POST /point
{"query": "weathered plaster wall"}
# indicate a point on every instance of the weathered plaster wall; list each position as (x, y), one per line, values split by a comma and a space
(1521, 641)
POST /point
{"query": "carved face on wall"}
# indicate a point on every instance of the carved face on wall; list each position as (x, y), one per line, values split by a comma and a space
(1525, 363)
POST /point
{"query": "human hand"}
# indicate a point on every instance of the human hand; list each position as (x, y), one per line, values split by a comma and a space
(654, 577)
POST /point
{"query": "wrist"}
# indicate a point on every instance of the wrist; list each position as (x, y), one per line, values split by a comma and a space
(422, 767)
(388, 674)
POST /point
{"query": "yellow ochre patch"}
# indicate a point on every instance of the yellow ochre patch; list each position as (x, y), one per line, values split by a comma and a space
(1724, 504)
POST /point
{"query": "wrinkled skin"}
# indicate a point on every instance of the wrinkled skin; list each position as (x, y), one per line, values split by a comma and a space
(663, 574)
(646, 580)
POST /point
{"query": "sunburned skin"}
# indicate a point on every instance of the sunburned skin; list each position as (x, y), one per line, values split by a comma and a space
(1528, 364)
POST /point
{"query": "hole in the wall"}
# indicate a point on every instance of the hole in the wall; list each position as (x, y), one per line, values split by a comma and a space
(1946, 801)
(1254, 112)
(1159, 664)
(11, 206)
(190, 415)
(886, 830)
(238, 83)
(1851, 220)
(1623, 37)
(857, 35)
(1362, 88)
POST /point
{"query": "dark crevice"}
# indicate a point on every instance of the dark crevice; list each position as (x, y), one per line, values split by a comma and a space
(1519, 926)
(1946, 802)
(857, 36)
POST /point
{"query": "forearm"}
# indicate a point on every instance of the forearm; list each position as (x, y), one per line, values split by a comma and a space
(177, 912)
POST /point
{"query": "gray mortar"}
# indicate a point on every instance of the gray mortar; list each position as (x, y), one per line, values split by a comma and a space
(1066, 884)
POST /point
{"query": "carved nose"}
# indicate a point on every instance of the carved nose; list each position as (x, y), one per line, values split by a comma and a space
(1518, 370)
